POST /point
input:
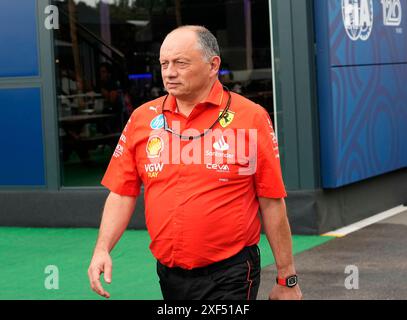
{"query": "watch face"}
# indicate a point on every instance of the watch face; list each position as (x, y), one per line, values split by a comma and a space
(292, 281)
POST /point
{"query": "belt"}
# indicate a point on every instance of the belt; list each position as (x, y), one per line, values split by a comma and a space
(245, 254)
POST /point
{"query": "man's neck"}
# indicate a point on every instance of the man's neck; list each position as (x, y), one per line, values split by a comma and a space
(185, 106)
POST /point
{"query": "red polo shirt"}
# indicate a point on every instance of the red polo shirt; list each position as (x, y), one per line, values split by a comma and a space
(200, 196)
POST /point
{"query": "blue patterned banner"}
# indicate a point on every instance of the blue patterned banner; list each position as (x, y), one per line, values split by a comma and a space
(378, 37)
(362, 75)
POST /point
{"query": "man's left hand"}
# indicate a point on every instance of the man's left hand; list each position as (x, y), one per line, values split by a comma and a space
(284, 293)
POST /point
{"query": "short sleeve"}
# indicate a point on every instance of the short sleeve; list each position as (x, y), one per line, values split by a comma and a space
(268, 177)
(121, 176)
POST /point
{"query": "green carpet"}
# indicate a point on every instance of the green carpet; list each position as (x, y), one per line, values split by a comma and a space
(26, 252)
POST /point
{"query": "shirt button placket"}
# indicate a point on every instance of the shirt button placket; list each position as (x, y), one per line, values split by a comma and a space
(179, 214)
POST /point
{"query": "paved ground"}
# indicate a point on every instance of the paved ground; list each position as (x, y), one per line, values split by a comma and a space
(379, 251)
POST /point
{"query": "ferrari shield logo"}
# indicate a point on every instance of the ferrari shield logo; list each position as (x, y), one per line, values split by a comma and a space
(226, 119)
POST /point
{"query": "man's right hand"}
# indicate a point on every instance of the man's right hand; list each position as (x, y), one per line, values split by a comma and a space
(101, 263)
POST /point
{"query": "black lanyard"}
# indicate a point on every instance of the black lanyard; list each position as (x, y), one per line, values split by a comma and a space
(222, 115)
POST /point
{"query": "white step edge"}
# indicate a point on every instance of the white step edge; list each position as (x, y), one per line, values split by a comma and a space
(366, 222)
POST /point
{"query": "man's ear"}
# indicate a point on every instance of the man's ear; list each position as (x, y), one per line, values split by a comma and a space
(215, 64)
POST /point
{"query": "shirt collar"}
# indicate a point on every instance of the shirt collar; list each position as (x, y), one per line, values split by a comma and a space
(215, 98)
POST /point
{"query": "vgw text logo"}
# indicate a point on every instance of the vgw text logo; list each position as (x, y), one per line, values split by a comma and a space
(392, 13)
(358, 18)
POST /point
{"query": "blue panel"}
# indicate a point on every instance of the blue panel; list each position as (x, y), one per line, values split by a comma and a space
(376, 43)
(18, 38)
(21, 139)
(366, 133)
(361, 88)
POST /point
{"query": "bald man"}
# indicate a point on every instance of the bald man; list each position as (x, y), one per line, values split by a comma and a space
(202, 195)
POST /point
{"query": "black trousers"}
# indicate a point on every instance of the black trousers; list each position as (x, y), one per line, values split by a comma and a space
(235, 278)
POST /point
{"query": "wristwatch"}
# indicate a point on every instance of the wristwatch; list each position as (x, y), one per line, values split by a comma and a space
(289, 282)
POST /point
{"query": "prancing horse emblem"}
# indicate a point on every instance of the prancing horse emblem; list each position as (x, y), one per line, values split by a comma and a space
(226, 119)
